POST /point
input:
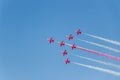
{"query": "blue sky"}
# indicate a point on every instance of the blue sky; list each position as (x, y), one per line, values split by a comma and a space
(25, 25)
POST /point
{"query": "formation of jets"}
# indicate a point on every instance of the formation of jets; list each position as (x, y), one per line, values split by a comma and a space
(62, 43)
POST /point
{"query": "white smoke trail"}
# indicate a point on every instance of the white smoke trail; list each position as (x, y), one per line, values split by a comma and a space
(104, 39)
(98, 68)
(98, 61)
(100, 45)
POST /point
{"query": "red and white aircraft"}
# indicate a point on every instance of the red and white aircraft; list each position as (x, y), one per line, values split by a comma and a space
(51, 40)
(73, 46)
(64, 52)
(61, 43)
(70, 37)
(67, 61)
(78, 32)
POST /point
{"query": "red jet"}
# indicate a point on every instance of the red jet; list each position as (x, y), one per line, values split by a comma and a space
(51, 40)
(70, 37)
(78, 32)
(67, 61)
(65, 53)
(73, 46)
(62, 43)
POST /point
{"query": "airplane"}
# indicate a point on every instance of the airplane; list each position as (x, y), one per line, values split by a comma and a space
(61, 43)
(73, 46)
(78, 32)
(67, 61)
(51, 40)
(70, 37)
(65, 53)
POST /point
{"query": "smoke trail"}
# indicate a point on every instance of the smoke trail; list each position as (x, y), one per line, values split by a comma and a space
(96, 52)
(100, 45)
(104, 39)
(98, 68)
(98, 61)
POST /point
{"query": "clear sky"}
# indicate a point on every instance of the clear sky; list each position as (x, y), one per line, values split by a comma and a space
(25, 26)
